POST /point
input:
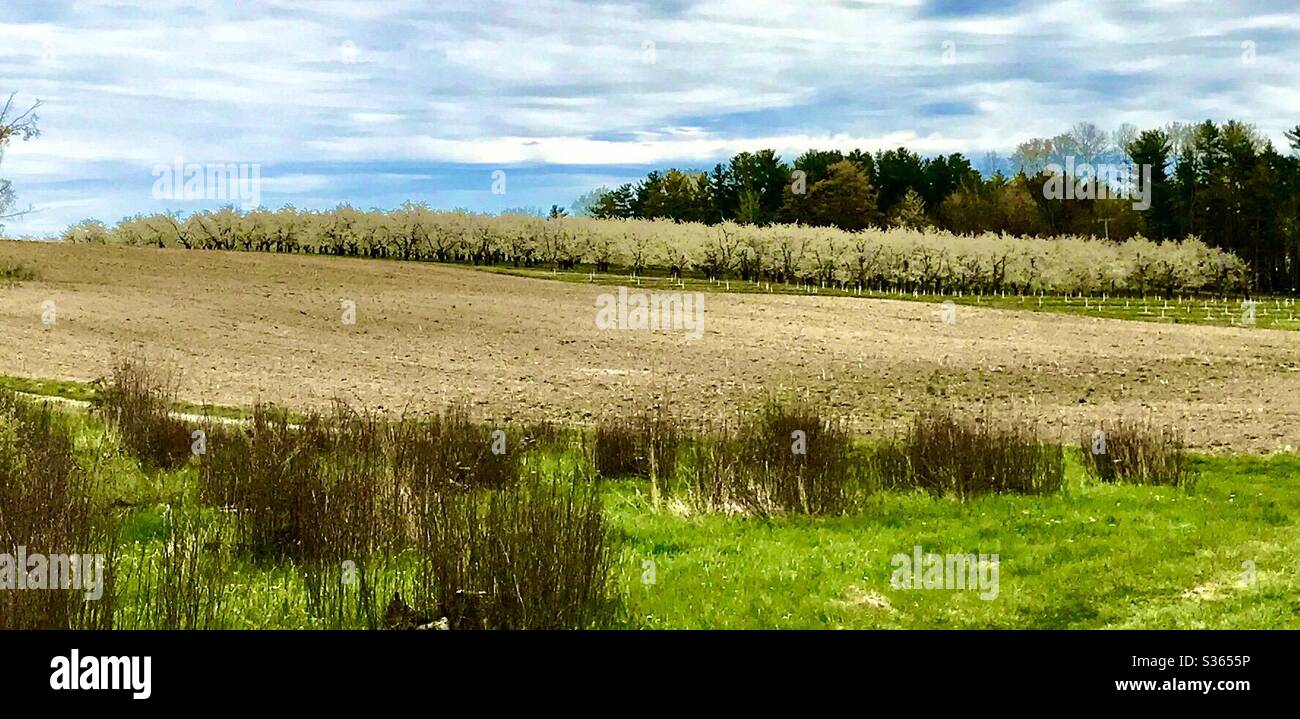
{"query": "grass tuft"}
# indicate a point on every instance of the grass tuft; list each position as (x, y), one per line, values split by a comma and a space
(785, 457)
(450, 452)
(535, 555)
(644, 445)
(1135, 452)
(947, 454)
(137, 399)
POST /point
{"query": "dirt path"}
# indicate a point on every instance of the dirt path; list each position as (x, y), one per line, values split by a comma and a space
(240, 327)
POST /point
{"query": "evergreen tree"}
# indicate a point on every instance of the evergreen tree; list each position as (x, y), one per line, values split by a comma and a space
(845, 199)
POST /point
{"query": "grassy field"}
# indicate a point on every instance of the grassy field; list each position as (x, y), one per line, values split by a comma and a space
(1093, 556)
(1219, 552)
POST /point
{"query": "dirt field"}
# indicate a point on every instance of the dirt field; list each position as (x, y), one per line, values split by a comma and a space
(241, 327)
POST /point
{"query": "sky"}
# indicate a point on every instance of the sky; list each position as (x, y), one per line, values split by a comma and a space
(492, 105)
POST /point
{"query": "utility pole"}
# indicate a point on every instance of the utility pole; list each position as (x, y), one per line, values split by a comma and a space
(1106, 225)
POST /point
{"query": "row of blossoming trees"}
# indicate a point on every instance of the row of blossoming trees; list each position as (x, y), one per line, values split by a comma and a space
(929, 261)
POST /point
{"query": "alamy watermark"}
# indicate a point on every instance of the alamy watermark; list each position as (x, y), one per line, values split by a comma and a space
(683, 311)
(223, 181)
(920, 570)
(1248, 312)
(25, 572)
(1102, 181)
(92, 673)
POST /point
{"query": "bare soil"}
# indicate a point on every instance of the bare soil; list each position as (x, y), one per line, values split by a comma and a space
(242, 327)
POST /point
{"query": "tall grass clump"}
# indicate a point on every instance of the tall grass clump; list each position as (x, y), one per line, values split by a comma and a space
(947, 454)
(643, 445)
(616, 448)
(348, 510)
(47, 508)
(450, 451)
(535, 555)
(137, 400)
(1135, 452)
(363, 507)
(350, 519)
(544, 435)
(320, 494)
(258, 472)
(319, 491)
(804, 455)
(713, 471)
(339, 493)
(785, 457)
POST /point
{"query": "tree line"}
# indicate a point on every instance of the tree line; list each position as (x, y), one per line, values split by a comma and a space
(928, 261)
(1224, 183)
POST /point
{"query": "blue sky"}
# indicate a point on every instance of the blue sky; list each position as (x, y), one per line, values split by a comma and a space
(374, 103)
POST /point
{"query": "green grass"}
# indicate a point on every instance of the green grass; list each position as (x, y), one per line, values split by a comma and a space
(1270, 312)
(85, 392)
(66, 389)
(1093, 555)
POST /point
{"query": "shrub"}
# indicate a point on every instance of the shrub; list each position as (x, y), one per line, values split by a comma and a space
(322, 491)
(963, 456)
(450, 451)
(644, 445)
(785, 457)
(1136, 453)
(137, 400)
(535, 555)
(47, 507)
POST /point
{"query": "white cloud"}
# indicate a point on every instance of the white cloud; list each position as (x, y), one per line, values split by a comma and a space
(129, 84)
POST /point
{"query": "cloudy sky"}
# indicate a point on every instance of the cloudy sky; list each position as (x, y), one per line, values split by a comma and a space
(373, 103)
